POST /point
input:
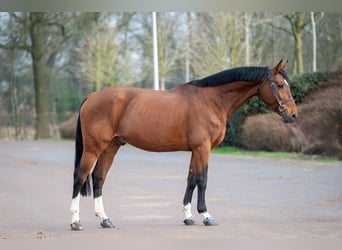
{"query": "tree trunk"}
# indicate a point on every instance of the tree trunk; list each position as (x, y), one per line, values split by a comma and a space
(187, 49)
(297, 26)
(39, 75)
(234, 44)
(299, 53)
(247, 42)
(314, 39)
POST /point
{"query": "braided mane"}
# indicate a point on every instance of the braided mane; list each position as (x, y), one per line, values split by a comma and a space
(250, 74)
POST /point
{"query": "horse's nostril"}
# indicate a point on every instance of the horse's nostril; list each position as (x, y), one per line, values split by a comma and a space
(294, 116)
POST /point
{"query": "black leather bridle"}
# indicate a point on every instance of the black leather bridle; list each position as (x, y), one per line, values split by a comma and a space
(280, 104)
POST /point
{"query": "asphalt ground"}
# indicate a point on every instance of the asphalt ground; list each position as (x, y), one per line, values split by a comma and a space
(250, 198)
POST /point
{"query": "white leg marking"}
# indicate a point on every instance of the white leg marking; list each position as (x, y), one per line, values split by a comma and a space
(99, 209)
(75, 209)
(187, 211)
(206, 215)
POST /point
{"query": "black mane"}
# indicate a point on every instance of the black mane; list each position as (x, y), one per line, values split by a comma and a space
(250, 74)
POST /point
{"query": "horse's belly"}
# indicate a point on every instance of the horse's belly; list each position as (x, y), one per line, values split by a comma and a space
(155, 139)
(155, 147)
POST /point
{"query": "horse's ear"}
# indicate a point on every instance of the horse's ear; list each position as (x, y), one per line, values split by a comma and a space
(284, 65)
(280, 66)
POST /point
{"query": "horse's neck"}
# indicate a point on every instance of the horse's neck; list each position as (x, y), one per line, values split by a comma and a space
(234, 95)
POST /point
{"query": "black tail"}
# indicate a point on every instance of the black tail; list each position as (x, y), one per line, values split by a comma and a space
(86, 188)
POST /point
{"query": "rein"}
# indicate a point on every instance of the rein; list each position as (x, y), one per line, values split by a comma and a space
(280, 104)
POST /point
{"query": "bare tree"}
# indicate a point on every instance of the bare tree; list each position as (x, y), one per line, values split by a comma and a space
(42, 35)
(297, 23)
(216, 42)
(188, 38)
(168, 48)
(102, 60)
(247, 27)
(329, 43)
(314, 39)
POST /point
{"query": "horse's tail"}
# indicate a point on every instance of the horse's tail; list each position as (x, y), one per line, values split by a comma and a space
(86, 188)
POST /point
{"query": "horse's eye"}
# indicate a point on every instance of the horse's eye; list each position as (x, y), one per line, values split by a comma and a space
(281, 86)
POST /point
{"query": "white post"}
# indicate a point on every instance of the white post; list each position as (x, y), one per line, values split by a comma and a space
(314, 40)
(155, 52)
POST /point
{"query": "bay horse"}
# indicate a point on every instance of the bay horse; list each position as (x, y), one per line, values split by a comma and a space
(190, 117)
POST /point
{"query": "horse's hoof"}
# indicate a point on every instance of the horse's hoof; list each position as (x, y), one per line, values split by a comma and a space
(107, 224)
(210, 221)
(189, 221)
(76, 226)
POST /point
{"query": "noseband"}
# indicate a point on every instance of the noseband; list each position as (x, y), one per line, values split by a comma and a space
(280, 104)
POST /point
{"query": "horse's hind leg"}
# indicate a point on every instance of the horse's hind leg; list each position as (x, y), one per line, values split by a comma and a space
(99, 175)
(80, 177)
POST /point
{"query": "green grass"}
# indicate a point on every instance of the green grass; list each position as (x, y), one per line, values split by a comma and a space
(277, 155)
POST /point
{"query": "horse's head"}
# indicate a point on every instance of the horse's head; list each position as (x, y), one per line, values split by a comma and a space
(275, 92)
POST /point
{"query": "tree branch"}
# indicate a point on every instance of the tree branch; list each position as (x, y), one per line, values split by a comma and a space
(15, 46)
(280, 28)
(16, 17)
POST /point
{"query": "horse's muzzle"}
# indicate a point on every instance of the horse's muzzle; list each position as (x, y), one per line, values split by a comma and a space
(288, 118)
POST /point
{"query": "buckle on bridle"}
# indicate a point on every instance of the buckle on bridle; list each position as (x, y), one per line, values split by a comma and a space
(281, 108)
(281, 105)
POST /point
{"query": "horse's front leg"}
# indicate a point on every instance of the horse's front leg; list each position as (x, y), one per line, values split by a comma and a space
(192, 182)
(197, 176)
(208, 220)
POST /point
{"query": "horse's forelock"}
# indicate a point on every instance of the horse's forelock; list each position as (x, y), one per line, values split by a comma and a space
(283, 74)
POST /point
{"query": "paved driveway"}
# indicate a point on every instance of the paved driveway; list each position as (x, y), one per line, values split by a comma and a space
(249, 197)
